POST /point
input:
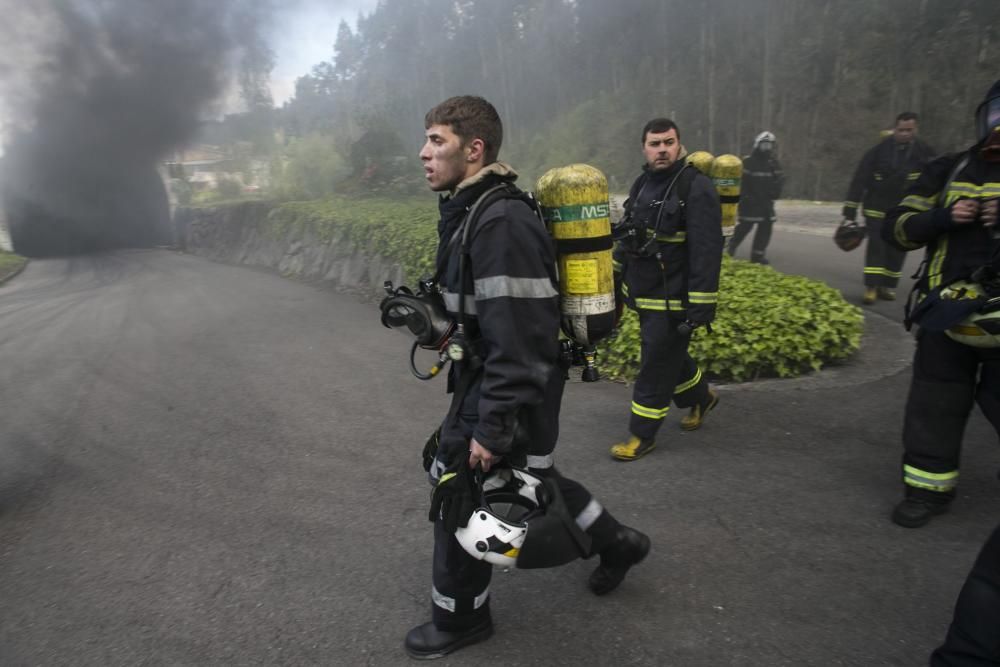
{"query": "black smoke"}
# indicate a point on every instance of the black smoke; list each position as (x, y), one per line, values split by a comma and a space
(113, 87)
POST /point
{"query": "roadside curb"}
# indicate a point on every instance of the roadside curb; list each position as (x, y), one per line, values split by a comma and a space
(886, 349)
(14, 273)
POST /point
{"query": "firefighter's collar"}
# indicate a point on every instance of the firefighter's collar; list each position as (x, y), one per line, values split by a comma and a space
(501, 169)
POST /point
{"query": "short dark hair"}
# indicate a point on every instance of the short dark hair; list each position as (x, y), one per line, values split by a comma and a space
(906, 115)
(470, 117)
(658, 125)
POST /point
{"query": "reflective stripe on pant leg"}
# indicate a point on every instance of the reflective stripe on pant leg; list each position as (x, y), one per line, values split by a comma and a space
(932, 481)
(697, 393)
(460, 585)
(937, 409)
(663, 354)
(883, 263)
(588, 512)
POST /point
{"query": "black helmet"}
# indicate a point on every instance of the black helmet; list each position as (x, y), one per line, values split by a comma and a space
(988, 113)
(849, 235)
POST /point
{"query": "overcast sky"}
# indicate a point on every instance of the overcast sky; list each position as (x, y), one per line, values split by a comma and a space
(305, 36)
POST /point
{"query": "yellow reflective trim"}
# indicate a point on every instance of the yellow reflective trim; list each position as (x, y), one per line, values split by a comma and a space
(918, 203)
(616, 265)
(937, 261)
(872, 213)
(693, 382)
(625, 289)
(964, 189)
(852, 204)
(675, 304)
(901, 232)
(651, 304)
(679, 237)
(879, 271)
(649, 413)
(931, 481)
(913, 175)
(706, 298)
(953, 474)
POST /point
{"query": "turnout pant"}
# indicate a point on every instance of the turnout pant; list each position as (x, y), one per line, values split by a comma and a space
(761, 239)
(973, 639)
(883, 263)
(461, 593)
(666, 372)
(461, 583)
(948, 377)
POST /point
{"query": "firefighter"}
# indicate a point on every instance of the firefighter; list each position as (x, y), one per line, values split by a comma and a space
(763, 179)
(499, 278)
(668, 256)
(973, 640)
(951, 211)
(882, 176)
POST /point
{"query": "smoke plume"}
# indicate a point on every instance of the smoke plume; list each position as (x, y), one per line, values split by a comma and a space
(95, 93)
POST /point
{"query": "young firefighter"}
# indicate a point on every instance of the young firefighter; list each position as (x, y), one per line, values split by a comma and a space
(668, 255)
(508, 390)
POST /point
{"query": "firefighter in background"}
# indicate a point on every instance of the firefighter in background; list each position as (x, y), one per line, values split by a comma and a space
(763, 179)
(951, 210)
(884, 173)
(668, 255)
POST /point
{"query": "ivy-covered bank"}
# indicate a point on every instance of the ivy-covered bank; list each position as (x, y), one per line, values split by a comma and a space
(769, 324)
(10, 264)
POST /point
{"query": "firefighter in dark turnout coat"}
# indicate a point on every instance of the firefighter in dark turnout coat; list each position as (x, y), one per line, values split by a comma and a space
(973, 640)
(668, 255)
(880, 179)
(506, 392)
(951, 210)
(763, 179)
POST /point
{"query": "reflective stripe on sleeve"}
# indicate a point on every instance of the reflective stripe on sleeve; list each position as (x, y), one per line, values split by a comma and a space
(918, 203)
(932, 481)
(703, 297)
(451, 302)
(495, 287)
(851, 204)
(873, 214)
(900, 232)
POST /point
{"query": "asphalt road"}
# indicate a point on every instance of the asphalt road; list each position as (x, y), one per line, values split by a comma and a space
(208, 465)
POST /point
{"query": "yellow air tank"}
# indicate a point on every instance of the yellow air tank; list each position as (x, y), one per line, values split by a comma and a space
(574, 202)
(702, 161)
(727, 174)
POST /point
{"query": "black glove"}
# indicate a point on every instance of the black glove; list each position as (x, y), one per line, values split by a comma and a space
(431, 449)
(454, 498)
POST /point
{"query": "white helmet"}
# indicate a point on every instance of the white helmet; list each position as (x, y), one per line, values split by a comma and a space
(980, 328)
(765, 142)
(497, 528)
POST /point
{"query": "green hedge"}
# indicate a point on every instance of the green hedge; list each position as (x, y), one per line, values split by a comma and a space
(405, 230)
(768, 323)
(9, 263)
